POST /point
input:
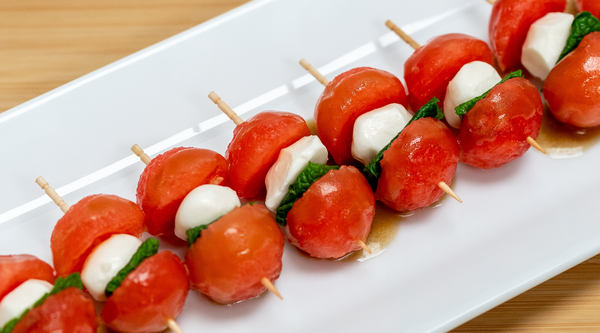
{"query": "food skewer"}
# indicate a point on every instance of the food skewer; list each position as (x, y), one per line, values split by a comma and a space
(168, 178)
(321, 78)
(32, 298)
(170, 322)
(555, 47)
(238, 121)
(392, 26)
(137, 150)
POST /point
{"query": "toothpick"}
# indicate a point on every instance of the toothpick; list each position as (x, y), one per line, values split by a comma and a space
(102, 329)
(173, 326)
(491, 2)
(225, 108)
(535, 145)
(449, 191)
(52, 194)
(314, 72)
(267, 283)
(402, 34)
(364, 246)
(139, 152)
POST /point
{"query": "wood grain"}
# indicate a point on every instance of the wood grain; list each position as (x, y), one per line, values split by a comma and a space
(47, 43)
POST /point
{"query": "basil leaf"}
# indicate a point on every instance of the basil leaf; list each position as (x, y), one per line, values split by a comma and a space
(11, 324)
(465, 107)
(194, 233)
(584, 24)
(145, 251)
(429, 110)
(307, 177)
(73, 280)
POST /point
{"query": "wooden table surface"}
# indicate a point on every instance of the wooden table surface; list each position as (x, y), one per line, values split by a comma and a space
(47, 43)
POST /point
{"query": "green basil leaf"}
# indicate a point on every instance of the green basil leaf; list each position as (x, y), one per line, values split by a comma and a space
(12, 323)
(194, 233)
(429, 110)
(145, 251)
(307, 177)
(73, 280)
(465, 107)
(584, 24)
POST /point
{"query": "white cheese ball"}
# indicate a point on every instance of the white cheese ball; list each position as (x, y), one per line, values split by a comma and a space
(105, 262)
(203, 205)
(472, 80)
(22, 298)
(545, 41)
(375, 129)
(290, 163)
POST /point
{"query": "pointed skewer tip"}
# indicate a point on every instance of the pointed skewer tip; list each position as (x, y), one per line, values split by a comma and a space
(535, 145)
(364, 246)
(449, 191)
(269, 285)
(172, 324)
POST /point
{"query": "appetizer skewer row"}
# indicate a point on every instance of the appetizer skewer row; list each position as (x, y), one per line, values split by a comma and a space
(33, 300)
(373, 130)
(224, 244)
(99, 237)
(494, 134)
(323, 230)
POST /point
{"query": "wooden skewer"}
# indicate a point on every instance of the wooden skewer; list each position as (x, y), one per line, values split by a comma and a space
(52, 194)
(225, 108)
(267, 283)
(449, 191)
(173, 326)
(139, 152)
(364, 246)
(535, 145)
(102, 329)
(415, 46)
(402, 34)
(491, 2)
(314, 72)
(65, 207)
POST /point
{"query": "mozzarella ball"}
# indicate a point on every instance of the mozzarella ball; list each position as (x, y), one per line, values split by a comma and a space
(105, 262)
(545, 41)
(290, 163)
(203, 205)
(472, 80)
(22, 298)
(375, 129)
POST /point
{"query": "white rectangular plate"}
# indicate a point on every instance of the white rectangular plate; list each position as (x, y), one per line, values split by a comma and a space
(519, 225)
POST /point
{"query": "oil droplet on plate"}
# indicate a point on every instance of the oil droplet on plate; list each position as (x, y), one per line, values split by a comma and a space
(563, 140)
(383, 231)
